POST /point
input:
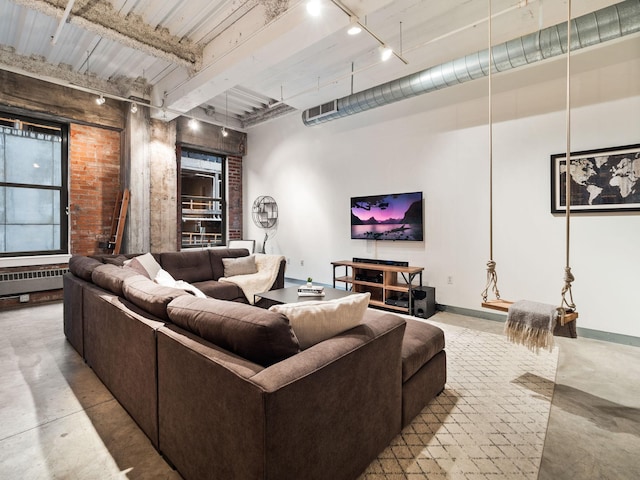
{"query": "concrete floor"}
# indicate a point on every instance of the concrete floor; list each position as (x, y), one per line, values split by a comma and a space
(57, 420)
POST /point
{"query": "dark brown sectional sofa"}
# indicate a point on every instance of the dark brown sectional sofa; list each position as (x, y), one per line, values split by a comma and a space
(222, 389)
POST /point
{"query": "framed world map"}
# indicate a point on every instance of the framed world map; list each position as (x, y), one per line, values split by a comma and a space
(603, 180)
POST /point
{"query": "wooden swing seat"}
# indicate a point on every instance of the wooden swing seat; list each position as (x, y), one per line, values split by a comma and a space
(503, 306)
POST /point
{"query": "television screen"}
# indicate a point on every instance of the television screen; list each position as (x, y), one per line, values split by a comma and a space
(387, 217)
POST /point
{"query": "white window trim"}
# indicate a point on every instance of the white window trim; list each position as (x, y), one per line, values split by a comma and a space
(27, 261)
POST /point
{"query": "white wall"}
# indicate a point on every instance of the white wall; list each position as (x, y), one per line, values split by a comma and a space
(439, 144)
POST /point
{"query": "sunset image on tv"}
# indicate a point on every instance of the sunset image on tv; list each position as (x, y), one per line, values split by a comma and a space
(387, 217)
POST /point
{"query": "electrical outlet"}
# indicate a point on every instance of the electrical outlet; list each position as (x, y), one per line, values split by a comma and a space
(24, 298)
(450, 280)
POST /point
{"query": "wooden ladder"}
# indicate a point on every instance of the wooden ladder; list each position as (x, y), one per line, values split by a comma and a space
(118, 221)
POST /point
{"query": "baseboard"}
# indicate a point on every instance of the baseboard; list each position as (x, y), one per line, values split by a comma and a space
(582, 332)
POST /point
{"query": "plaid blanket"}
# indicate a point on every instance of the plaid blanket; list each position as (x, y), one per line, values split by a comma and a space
(531, 324)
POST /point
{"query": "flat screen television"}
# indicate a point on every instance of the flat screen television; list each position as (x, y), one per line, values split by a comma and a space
(395, 216)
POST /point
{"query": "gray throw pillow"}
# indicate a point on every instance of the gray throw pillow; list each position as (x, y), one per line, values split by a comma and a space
(239, 266)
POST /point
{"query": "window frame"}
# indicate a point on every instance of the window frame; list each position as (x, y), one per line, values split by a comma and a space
(42, 126)
(223, 191)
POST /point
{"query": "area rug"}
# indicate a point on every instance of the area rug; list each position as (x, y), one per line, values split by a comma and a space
(490, 421)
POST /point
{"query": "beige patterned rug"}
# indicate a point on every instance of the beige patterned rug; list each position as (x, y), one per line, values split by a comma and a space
(489, 423)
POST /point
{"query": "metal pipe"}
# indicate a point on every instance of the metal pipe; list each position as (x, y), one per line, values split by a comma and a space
(593, 28)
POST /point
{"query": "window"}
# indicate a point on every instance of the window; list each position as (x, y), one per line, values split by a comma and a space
(202, 194)
(33, 187)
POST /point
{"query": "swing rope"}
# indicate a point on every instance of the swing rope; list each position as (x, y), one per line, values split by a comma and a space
(492, 275)
(566, 303)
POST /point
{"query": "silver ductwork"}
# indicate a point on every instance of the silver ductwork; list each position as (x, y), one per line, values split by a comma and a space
(593, 28)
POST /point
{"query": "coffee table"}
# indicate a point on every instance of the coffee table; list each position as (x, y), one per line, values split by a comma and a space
(290, 295)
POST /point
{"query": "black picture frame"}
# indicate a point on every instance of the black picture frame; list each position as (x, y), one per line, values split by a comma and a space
(603, 180)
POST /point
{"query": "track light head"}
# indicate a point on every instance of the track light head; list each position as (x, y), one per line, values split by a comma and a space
(193, 124)
(385, 53)
(224, 132)
(100, 100)
(354, 26)
(134, 107)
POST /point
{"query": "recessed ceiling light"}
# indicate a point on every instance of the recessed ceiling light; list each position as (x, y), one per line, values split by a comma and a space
(313, 8)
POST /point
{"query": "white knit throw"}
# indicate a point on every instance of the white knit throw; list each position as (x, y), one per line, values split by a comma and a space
(268, 267)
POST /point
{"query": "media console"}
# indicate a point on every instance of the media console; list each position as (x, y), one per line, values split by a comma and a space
(380, 279)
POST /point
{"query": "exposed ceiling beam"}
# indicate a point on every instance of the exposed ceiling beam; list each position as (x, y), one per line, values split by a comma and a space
(101, 19)
(252, 44)
(37, 67)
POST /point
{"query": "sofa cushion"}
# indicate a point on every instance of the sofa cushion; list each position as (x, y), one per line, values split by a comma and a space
(150, 296)
(239, 266)
(422, 341)
(253, 333)
(82, 266)
(145, 264)
(111, 277)
(190, 265)
(316, 321)
(217, 254)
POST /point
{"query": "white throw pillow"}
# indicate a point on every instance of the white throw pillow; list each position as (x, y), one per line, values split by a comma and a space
(315, 321)
(164, 278)
(145, 263)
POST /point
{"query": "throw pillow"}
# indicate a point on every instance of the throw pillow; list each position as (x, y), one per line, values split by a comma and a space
(145, 265)
(239, 266)
(164, 278)
(315, 321)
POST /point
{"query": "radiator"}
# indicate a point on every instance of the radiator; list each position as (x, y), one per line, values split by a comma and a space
(12, 283)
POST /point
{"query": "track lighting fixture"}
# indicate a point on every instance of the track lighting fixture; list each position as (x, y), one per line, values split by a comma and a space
(193, 124)
(134, 107)
(224, 132)
(354, 26)
(100, 100)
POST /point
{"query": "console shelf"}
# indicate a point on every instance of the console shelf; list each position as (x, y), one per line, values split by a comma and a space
(381, 281)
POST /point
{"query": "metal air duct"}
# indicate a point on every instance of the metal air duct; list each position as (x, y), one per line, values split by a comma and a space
(593, 28)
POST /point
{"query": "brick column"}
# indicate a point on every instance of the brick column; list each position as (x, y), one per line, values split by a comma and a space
(94, 183)
(234, 196)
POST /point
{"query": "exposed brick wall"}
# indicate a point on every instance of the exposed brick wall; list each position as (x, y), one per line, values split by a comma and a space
(234, 194)
(94, 172)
